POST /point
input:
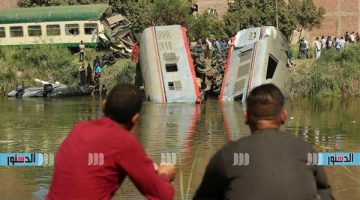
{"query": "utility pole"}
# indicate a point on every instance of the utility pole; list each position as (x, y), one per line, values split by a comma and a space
(277, 16)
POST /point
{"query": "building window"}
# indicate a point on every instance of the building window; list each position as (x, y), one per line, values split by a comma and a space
(16, 31)
(90, 29)
(34, 30)
(52, 30)
(72, 29)
(2, 32)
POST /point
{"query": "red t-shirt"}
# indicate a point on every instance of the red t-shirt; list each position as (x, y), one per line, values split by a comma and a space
(78, 175)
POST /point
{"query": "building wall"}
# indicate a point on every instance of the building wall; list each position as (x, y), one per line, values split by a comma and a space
(341, 16)
(221, 6)
(8, 4)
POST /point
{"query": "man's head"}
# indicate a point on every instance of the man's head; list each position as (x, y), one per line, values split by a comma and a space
(123, 104)
(265, 108)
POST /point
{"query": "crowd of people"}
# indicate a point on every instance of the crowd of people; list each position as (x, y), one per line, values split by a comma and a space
(326, 43)
(90, 75)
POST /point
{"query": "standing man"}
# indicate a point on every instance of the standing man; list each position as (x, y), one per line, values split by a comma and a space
(276, 168)
(317, 48)
(82, 74)
(302, 48)
(89, 74)
(82, 51)
(97, 155)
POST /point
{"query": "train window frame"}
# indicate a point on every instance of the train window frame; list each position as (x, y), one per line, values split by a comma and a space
(2, 32)
(68, 30)
(34, 32)
(271, 66)
(16, 31)
(90, 28)
(52, 31)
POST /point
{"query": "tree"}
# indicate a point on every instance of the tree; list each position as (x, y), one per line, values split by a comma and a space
(308, 16)
(252, 13)
(168, 12)
(206, 25)
(138, 12)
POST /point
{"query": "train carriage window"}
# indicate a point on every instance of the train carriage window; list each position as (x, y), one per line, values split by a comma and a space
(90, 28)
(2, 32)
(52, 30)
(34, 30)
(16, 31)
(72, 29)
(271, 67)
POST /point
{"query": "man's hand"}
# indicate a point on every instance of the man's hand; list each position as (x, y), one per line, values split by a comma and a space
(168, 169)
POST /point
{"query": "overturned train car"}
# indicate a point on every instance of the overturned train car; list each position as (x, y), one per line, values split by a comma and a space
(166, 65)
(257, 56)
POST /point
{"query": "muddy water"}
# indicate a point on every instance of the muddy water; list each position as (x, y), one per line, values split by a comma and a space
(193, 132)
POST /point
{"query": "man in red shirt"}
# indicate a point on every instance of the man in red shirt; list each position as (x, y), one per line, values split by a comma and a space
(97, 155)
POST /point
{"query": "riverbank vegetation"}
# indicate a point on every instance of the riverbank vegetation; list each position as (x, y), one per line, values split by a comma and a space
(53, 63)
(334, 74)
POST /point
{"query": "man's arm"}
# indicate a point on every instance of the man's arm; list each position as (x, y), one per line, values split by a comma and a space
(141, 171)
(323, 187)
(214, 181)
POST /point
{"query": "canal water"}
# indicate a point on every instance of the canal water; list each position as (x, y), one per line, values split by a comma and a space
(193, 132)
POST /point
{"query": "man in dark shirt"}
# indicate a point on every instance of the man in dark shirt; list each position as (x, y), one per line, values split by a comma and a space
(96, 156)
(267, 165)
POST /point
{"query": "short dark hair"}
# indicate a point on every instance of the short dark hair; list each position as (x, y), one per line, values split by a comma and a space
(123, 102)
(264, 102)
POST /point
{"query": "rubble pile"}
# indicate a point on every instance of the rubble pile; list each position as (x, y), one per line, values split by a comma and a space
(210, 73)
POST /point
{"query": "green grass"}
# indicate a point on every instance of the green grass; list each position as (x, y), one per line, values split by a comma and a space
(334, 74)
(53, 63)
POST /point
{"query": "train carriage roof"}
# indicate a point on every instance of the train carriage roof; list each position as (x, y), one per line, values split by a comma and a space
(53, 13)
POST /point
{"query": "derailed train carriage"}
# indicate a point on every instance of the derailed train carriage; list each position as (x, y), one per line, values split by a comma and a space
(257, 56)
(166, 65)
(94, 24)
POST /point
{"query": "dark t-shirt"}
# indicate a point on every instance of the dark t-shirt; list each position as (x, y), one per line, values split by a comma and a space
(276, 170)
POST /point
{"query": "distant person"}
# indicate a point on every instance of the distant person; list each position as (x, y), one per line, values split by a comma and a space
(82, 51)
(97, 156)
(317, 48)
(323, 43)
(337, 44)
(89, 74)
(96, 62)
(347, 37)
(82, 74)
(302, 48)
(342, 43)
(329, 42)
(277, 164)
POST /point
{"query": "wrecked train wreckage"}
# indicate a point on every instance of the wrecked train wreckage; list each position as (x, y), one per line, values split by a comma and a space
(95, 25)
(254, 57)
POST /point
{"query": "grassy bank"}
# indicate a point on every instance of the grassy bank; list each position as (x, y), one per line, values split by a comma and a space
(334, 74)
(53, 63)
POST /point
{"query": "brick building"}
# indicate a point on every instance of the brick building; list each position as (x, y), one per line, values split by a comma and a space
(341, 16)
(220, 6)
(8, 4)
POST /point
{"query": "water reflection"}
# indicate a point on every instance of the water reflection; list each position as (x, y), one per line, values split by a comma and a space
(193, 132)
